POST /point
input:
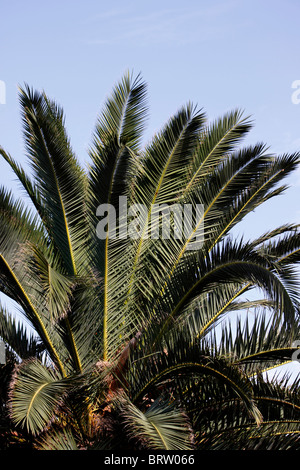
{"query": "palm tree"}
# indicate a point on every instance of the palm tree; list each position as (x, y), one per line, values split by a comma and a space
(133, 348)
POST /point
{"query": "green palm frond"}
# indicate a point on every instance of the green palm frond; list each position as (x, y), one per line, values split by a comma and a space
(59, 440)
(229, 263)
(217, 141)
(22, 343)
(161, 426)
(224, 427)
(37, 392)
(58, 176)
(116, 140)
(162, 177)
(49, 280)
(26, 183)
(178, 356)
(257, 343)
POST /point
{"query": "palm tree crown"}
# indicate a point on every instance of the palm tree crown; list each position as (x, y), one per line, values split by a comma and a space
(130, 330)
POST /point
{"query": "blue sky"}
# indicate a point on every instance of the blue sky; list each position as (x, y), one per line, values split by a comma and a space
(218, 54)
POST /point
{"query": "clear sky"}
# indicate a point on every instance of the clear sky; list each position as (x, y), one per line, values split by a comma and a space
(218, 54)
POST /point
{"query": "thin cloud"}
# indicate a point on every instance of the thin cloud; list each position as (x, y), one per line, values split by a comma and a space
(105, 15)
(169, 26)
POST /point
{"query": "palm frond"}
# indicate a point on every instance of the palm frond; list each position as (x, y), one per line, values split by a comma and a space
(59, 440)
(21, 342)
(58, 176)
(116, 140)
(178, 356)
(36, 392)
(161, 426)
(27, 184)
